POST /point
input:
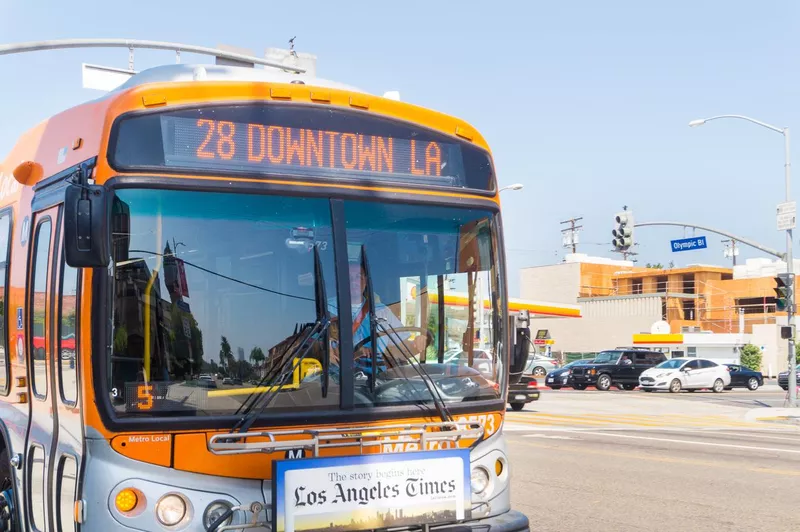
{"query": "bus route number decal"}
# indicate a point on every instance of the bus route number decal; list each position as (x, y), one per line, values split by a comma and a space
(143, 396)
(487, 420)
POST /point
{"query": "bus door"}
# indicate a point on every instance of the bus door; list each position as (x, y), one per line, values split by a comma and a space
(54, 430)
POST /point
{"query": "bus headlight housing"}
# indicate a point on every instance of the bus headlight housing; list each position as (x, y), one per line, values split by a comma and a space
(214, 511)
(479, 480)
(171, 509)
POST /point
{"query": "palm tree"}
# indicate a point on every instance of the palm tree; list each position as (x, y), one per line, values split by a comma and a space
(257, 358)
(225, 353)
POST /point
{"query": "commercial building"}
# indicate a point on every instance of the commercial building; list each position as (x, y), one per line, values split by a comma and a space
(722, 306)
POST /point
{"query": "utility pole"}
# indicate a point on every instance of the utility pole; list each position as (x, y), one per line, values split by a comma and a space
(570, 234)
(731, 251)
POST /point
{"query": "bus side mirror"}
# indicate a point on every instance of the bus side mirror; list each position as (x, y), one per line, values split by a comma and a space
(87, 226)
(519, 354)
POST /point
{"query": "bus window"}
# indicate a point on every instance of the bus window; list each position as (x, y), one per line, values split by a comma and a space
(220, 284)
(37, 487)
(39, 307)
(5, 229)
(421, 257)
(67, 485)
(67, 361)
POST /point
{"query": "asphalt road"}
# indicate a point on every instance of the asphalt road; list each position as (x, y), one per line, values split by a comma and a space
(630, 461)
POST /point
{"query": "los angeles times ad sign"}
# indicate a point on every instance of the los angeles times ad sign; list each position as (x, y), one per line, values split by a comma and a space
(372, 491)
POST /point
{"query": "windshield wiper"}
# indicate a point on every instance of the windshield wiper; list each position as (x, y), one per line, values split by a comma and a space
(318, 328)
(441, 407)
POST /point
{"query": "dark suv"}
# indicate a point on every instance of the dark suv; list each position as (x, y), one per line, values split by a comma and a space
(618, 367)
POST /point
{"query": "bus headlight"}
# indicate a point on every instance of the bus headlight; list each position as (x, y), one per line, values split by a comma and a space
(479, 480)
(171, 509)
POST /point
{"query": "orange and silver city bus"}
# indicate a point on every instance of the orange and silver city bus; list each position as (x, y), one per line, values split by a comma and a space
(219, 313)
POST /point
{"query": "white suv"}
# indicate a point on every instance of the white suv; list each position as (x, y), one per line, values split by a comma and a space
(690, 374)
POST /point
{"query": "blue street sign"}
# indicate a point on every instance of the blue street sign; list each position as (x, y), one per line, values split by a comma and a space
(688, 244)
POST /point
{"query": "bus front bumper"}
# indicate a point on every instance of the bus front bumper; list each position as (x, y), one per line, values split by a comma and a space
(511, 521)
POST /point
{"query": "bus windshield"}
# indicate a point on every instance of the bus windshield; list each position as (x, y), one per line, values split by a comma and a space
(214, 292)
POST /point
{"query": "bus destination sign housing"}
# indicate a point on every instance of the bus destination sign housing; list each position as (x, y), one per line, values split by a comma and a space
(298, 141)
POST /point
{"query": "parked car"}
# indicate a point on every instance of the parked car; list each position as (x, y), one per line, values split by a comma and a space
(206, 383)
(562, 377)
(783, 378)
(690, 374)
(617, 367)
(227, 380)
(743, 377)
(539, 365)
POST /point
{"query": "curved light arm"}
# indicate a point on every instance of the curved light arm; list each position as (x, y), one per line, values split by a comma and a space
(700, 122)
(515, 186)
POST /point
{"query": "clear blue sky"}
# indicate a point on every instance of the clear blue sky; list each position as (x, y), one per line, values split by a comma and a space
(585, 102)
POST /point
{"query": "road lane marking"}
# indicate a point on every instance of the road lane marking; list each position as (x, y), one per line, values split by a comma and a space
(762, 436)
(662, 459)
(691, 442)
(538, 419)
(549, 437)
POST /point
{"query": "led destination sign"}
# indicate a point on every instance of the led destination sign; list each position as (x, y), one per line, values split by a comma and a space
(298, 141)
(221, 142)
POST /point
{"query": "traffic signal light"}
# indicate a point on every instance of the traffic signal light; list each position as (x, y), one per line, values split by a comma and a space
(784, 291)
(623, 234)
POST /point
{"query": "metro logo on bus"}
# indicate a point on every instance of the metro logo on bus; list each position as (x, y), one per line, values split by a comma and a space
(208, 142)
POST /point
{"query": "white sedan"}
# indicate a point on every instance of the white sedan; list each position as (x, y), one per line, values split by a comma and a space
(690, 374)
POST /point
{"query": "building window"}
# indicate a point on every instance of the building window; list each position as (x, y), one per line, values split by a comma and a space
(691, 351)
(689, 309)
(756, 305)
(636, 285)
(688, 283)
(661, 283)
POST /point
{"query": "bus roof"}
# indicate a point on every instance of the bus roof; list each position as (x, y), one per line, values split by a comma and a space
(67, 138)
(201, 73)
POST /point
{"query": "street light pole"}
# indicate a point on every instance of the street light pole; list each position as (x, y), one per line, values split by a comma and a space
(790, 269)
(789, 262)
(515, 186)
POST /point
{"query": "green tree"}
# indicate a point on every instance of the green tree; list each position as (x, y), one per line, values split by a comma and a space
(656, 266)
(120, 340)
(796, 352)
(751, 357)
(257, 356)
(225, 353)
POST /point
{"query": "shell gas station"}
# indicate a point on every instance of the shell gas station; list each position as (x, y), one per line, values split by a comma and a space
(458, 303)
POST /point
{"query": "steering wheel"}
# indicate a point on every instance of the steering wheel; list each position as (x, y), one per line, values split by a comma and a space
(428, 336)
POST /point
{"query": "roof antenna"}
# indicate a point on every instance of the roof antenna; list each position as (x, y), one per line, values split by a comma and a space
(291, 46)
